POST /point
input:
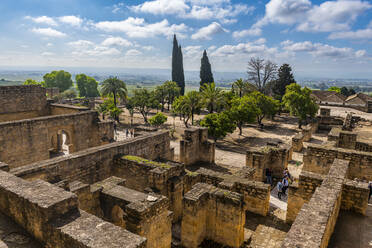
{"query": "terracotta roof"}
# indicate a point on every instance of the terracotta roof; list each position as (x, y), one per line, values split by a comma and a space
(328, 96)
(365, 98)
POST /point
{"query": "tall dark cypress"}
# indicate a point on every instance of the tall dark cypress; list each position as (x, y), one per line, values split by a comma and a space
(206, 75)
(177, 66)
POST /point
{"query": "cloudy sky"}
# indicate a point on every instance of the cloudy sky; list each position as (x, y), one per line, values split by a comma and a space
(318, 38)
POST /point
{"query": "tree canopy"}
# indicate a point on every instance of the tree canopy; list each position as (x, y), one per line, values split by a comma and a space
(206, 75)
(212, 96)
(218, 124)
(60, 79)
(86, 85)
(241, 88)
(335, 89)
(143, 101)
(114, 87)
(188, 105)
(300, 103)
(33, 82)
(285, 77)
(178, 75)
(158, 119)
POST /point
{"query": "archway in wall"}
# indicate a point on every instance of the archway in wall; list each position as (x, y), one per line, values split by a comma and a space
(65, 142)
(60, 144)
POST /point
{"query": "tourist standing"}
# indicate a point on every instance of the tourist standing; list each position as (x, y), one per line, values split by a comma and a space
(370, 190)
(285, 185)
(269, 177)
(280, 190)
(127, 133)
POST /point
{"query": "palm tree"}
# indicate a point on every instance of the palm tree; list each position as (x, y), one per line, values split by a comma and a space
(188, 105)
(212, 96)
(241, 88)
(114, 87)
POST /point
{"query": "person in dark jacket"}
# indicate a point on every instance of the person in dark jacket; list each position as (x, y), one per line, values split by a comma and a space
(269, 176)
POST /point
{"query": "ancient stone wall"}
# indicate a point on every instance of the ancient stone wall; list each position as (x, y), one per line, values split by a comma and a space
(354, 194)
(318, 159)
(328, 122)
(315, 222)
(298, 142)
(195, 147)
(27, 141)
(256, 195)
(144, 175)
(213, 214)
(142, 214)
(95, 164)
(22, 102)
(51, 215)
(52, 92)
(274, 157)
(64, 109)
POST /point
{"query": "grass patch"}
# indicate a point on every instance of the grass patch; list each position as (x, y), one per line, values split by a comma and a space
(146, 161)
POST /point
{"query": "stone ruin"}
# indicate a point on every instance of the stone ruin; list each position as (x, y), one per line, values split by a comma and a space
(132, 194)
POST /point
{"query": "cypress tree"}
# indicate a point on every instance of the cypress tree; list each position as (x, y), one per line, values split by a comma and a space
(177, 66)
(206, 75)
(285, 77)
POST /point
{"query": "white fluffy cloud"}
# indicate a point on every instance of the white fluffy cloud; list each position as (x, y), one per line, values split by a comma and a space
(327, 17)
(221, 10)
(162, 7)
(360, 34)
(81, 43)
(322, 50)
(48, 32)
(43, 20)
(247, 32)
(47, 54)
(71, 20)
(206, 33)
(116, 41)
(133, 52)
(138, 28)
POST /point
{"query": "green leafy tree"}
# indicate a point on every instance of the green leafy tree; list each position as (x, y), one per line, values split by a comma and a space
(158, 119)
(143, 101)
(212, 96)
(173, 91)
(300, 103)
(108, 106)
(114, 87)
(86, 85)
(161, 95)
(241, 88)
(206, 75)
(243, 111)
(60, 79)
(33, 82)
(218, 124)
(68, 94)
(335, 89)
(188, 105)
(285, 77)
(178, 75)
(347, 91)
(265, 105)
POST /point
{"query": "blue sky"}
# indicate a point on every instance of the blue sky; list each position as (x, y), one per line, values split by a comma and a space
(318, 38)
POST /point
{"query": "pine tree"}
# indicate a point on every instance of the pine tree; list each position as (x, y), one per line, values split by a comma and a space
(206, 76)
(177, 66)
(285, 77)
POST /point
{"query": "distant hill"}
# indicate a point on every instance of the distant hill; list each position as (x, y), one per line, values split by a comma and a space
(5, 82)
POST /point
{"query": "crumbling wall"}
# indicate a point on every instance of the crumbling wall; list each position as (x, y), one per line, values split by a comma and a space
(354, 193)
(64, 109)
(144, 175)
(142, 214)
(315, 222)
(213, 214)
(22, 102)
(28, 141)
(319, 158)
(51, 215)
(95, 164)
(256, 195)
(274, 157)
(195, 147)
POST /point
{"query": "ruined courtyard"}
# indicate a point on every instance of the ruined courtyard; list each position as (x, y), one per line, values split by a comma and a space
(67, 180)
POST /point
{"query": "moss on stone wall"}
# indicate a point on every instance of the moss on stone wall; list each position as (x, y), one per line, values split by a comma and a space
(146, 161)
